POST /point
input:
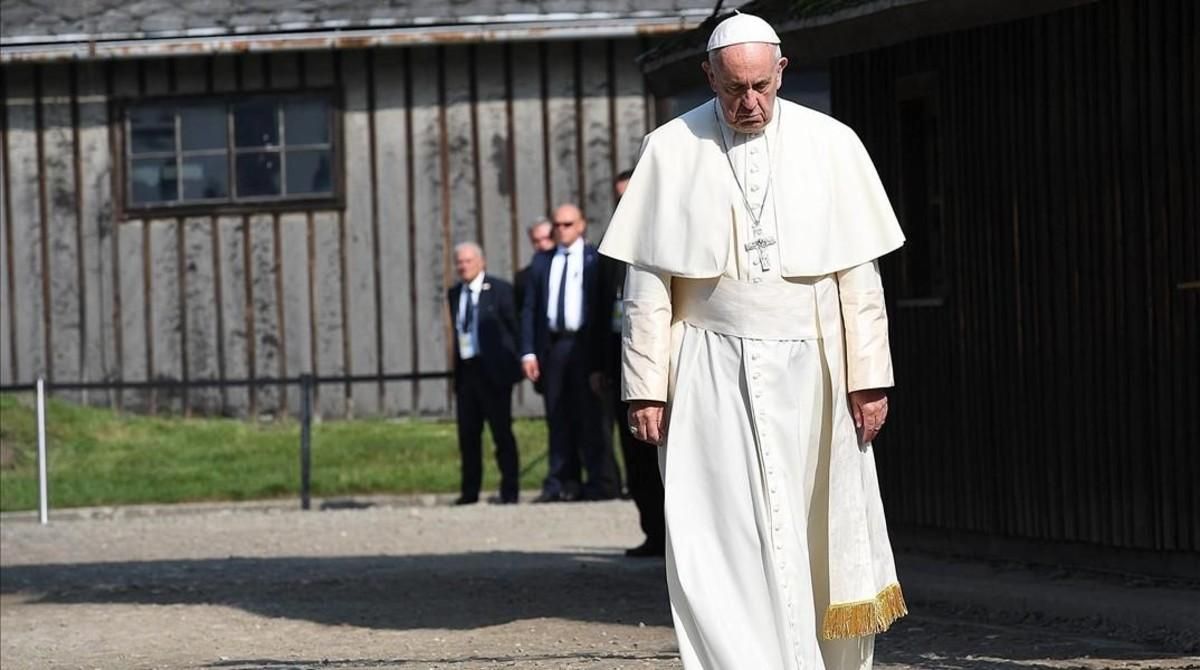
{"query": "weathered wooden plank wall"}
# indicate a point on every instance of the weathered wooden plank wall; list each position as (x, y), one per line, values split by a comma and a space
(359, 228)
(7, 354)
(325, 258)
(530, 184)
(129, 304)
(439, 144)
(1047, 392)
(23, 210)
(393, 172)
(61, 252)
(431, 222)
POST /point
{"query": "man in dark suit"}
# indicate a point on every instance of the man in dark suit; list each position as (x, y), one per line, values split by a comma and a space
(560, 347)
(641, 458)
(486, 366)
(541, 238)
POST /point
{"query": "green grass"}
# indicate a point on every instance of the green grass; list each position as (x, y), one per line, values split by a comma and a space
(99, 457)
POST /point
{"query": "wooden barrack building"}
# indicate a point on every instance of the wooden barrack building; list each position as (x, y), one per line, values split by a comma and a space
(260, 189)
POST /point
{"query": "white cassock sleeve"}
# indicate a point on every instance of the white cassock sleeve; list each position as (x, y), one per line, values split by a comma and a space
(646, 336)
(864, 315)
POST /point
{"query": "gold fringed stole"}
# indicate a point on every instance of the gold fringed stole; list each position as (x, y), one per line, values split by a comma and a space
(865, 617)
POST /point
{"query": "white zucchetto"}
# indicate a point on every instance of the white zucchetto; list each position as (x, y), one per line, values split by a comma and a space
(740, 29)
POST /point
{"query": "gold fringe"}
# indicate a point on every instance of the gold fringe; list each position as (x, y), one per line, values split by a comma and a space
(866, 617)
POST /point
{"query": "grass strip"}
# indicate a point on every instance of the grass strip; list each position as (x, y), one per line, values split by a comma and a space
(100, 457)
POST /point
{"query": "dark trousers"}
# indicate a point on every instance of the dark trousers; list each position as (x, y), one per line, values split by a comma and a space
(642, 476)
(575, 418)
(478, 400)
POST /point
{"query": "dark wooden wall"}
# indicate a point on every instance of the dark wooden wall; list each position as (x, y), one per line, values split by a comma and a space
(1048, 382)
(440, 144)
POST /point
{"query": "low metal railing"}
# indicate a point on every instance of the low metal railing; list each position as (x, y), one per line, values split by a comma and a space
(306, 382)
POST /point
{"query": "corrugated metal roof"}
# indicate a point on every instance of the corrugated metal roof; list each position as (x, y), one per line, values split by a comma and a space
(58, 21)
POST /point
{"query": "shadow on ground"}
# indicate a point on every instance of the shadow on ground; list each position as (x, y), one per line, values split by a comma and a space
(467, 591)
(934, 642)
(452, 591)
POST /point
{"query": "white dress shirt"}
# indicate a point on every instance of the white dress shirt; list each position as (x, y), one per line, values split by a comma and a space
(573, 304)
(468, 343)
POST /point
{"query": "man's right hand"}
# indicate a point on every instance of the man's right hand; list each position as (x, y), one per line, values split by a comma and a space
(530, 366)
(646, 421)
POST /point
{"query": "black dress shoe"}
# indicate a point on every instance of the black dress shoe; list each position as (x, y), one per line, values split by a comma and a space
(501, 500)
(646, 549)
(571, 492)
(464, 500)
(548, 498)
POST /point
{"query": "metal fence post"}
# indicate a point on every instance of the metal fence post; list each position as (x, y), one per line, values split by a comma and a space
(43, 480)
(306, 389)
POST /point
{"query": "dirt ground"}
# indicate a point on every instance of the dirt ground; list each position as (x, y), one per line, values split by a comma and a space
(527, 586)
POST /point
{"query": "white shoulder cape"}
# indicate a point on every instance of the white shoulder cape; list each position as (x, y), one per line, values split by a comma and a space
(675, 216)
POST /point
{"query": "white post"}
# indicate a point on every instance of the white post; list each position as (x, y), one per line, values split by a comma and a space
(43, 495)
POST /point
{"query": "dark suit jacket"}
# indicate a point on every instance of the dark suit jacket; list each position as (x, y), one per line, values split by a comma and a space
(520, 279)
(612, 284)
(496, 316)
(535, 332)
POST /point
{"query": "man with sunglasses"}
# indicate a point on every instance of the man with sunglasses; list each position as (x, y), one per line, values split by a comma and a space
(560, 340)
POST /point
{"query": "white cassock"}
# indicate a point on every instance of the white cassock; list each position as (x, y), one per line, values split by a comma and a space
(753, 309)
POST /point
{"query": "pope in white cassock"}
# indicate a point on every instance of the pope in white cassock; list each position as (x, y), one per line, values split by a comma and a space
(755, 354)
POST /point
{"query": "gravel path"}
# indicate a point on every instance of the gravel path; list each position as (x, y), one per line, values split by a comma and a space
(527, 586)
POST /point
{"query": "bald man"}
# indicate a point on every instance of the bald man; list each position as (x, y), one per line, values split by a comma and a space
(560, 346)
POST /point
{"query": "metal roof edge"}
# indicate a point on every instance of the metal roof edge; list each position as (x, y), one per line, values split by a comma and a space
(806, 23)
(865, 27)
(51, 44)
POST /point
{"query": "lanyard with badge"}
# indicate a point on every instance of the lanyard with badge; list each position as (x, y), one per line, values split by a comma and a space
(466, 345)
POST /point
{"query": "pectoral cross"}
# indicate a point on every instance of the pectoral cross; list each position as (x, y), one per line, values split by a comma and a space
(760, 245)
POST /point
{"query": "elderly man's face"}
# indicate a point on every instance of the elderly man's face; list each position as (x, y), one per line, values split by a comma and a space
(541, 237)
(468, 263)
(568, 224)
(746, 78)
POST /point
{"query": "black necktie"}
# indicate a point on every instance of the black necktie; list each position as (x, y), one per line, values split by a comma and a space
(469, 312)
(560, 321)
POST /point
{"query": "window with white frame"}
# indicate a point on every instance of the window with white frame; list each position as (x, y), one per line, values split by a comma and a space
(201, 151)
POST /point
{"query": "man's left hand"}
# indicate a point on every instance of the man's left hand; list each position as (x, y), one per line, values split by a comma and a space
(870, 408)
